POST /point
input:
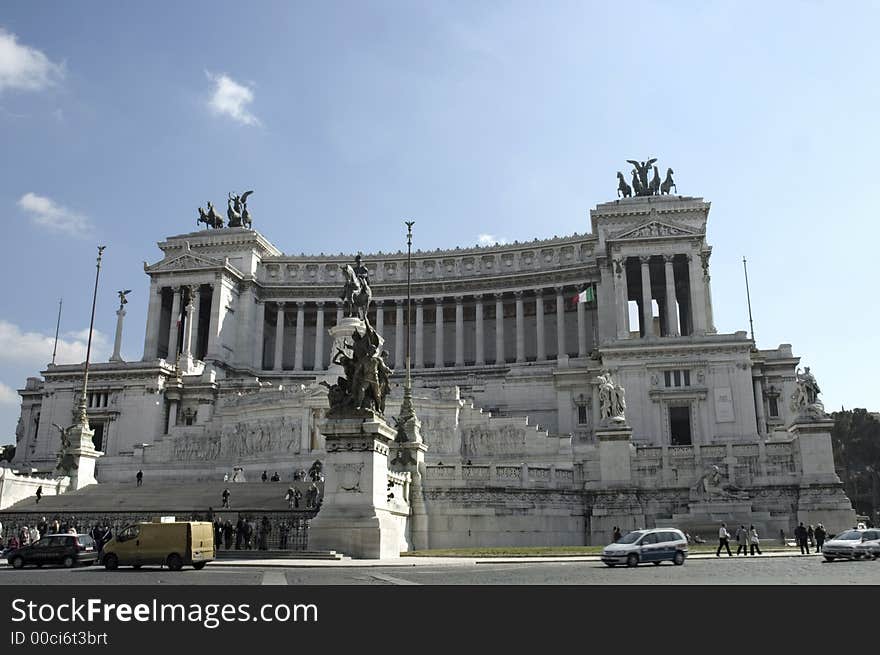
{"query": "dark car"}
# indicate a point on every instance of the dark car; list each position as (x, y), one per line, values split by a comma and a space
(65, 549)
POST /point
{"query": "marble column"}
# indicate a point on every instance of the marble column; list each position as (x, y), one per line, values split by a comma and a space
(340, 311)
(647, 304)
(707, 283)
(480, 357)
(459, 331)
(154, 310)
(560, 323)
(399, 335)
(196, 319)
(214, 322)
(319, 336)
(438, 334)
(420, 333)
(260, 311)
(117, 342)
(499, 329)
(759, 406)
(698, 295)
(582, 328)
(671, 311)
(520, 328)
(380, 317)
(621, 297)
(190, 310)
(299, 338)
(541, 352)
(174, 326)
(277, 362)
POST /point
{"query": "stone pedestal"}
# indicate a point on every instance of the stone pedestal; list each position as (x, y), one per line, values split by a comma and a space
(354, 517)
(821, 497)
(339, 334)
(79, 459)
(615, 453)
(409, 456)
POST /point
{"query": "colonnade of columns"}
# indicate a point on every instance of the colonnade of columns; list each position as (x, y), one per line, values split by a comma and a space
(678, 285)
(529, 343)
(181, 334)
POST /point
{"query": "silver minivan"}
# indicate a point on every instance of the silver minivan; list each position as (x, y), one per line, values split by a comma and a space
(655, 545)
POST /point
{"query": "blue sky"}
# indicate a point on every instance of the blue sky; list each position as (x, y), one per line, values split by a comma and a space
(508, 119)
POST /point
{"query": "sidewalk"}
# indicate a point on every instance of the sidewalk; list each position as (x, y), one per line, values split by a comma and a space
(409, 562)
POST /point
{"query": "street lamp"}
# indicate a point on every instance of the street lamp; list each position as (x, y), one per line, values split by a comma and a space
(83, 401)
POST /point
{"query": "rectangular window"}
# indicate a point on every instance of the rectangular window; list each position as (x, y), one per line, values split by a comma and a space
(677, 376)
(774, 407)
(582, 414)
(687, 378)
(667, 375)
(680, 425)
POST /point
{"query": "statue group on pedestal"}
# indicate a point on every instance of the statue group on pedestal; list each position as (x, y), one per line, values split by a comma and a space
(711, 486)
(356, 293)
(806, 395)
(612, 399)
(640, 182)
(237, 213)
(366, 380)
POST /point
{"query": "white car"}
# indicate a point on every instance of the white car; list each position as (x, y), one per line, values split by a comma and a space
(655, 546)
(870, 546)
(846, 545)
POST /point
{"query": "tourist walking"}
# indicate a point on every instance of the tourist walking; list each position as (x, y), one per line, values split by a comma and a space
(227, 534)
(820, 537)
(723, 541)
(800, 536)
(39, 493)
(139, 477)
(742, 540)
(264, 477)
(265, 529)
(226, 497)
(755, 542)
(810, 534)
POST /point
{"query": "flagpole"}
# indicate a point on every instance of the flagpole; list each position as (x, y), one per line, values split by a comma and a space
(749, 299)
(57, 327)
(83, 401)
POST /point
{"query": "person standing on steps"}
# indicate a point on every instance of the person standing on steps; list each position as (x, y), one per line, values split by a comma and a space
(723, 541)
(226, 497)
(140, 477)
(39, 493)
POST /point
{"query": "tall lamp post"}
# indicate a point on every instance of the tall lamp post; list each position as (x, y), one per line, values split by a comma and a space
(407, 410)
(83, 400)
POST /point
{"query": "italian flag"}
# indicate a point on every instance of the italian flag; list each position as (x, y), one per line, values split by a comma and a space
(587, 295)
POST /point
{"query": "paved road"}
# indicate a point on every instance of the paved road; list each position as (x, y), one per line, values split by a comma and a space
(722, 571)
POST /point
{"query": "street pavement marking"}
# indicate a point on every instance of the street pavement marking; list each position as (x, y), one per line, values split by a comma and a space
(274, 578)
(392, 579)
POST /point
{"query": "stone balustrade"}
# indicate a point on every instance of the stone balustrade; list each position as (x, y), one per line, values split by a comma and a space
(499, 475)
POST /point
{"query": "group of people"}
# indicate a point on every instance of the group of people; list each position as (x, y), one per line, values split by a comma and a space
(249, 534)
(19, 536)
(809, 537)
(275, 477)
(747, 540)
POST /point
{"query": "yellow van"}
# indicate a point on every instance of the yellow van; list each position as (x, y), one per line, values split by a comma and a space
(172, 543)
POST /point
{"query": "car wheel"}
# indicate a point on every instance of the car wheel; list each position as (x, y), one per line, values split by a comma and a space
(39, 565)
(829, 559)
(17, 562)
(632, 560)
(610, 565)
(174, 562)
(136, 566)
(198, 566)
(678, 560)
(68, 562)
(656, 563)
(111, 562)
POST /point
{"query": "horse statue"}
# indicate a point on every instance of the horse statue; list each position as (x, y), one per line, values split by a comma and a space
(211, 218)
(623, 189)
(637, 185)
(356, 293)
(668, 183)
(655, 183)
(233, 210)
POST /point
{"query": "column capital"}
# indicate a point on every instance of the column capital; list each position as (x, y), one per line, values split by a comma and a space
(320, 304)
(619, 265)
(438, 301)
(478, 296)
(499, 296)
(668, 259)
(539, 293)
(400, 302)
(418, 301)
(458, 299)
(518, 294)
(300, 304)
(378, 303)
(559, 290)
(340, 304)
(645, 259)
(280, 304)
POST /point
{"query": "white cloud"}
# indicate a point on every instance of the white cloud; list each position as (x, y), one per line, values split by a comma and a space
(46, 213)
(231, 99)
(34, 350)
(8, 396)
(25, 68)
(490, 240)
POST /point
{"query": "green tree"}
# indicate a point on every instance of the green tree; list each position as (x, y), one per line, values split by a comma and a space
(856, 442)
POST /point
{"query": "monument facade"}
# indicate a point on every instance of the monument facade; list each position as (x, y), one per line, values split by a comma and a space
(563, 386)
